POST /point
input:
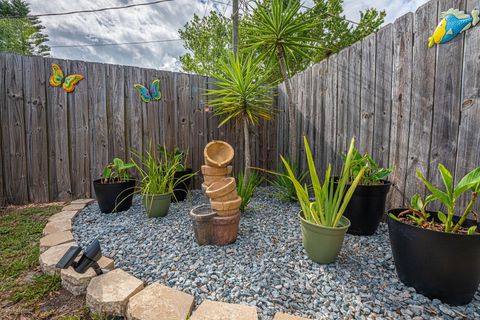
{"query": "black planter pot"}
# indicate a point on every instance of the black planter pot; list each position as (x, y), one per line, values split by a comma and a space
(438, 265)
(366, 208)
(117, 195)
(181, 189)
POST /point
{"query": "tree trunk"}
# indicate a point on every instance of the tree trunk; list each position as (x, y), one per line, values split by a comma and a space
(292, 123)
(235, 13)
(248, 161)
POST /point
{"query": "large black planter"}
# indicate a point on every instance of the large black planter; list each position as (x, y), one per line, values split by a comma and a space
(366, 208)
(438, 265)
(181, 189)
(117, 195)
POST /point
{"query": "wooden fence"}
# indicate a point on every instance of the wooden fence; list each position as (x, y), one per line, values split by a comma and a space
(410, 106)
(53, 143)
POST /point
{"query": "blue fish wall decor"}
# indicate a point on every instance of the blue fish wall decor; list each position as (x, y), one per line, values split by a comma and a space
(452, 24)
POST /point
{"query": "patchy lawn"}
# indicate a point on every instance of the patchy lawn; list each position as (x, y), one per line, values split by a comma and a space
(26, 293)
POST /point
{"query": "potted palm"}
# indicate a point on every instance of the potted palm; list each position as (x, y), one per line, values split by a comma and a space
(438, 253)
(323, 223)
(157, 181)
(115, 189)
(181, 170)
(367, 205)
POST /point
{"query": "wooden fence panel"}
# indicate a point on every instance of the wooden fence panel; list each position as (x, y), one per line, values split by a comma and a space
(447, 104)
(383, 95)
(133, 111)
(59, 164)
(99, 118)
(402, 82)
(352, 108)
(79, 133)
(468, 156)
(34, 83)
(342, 109)
(115, 93)
(329, 144)
(423, 85)
(3, 198)
(13, 132)
(367, 99)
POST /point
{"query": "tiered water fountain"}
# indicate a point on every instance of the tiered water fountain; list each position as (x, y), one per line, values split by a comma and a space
(217, 223)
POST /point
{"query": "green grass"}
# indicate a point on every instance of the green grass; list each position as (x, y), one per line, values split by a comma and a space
(20, 230)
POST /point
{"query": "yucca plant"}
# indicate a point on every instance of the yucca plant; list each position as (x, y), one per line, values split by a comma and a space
(330, 201)
(246, 191)
(243, 94)
(279, 30)
(281, 181)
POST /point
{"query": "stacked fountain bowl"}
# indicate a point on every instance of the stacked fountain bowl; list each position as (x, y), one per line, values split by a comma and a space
(217, 223)
(219, 187)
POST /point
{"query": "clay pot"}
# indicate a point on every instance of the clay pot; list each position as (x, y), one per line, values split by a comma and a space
(213, 171)
(211, 229)
(226, 208)
(225, 229)
(218, 154)
(223, 190)
(204, 187)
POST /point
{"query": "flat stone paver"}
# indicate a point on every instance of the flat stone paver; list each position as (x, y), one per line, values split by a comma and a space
(77, 283)
(57, 226)
(75, 206)
(109, 293)
(82, 201)
(213, 310)
(54, 239)
(284, 316)
(50, 258)
(157, 301)
(64, 215)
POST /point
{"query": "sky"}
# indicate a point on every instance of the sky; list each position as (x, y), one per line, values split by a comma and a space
(150, 23)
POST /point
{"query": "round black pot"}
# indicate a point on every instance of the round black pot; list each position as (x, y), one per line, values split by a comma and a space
(181, 189)
(117, 195)
(366, 208)
(438, 265)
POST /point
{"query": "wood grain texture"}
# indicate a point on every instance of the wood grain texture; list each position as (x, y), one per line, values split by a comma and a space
(352, 124)
(329, 146)
(383, 95)
(341, 115)
(402, 85)
(447, 101)
(115, 92)
(3, 119)
(98, 118)
(133, 112)
(423, 86)
(468, 156)
(34, 82)
(367, 99)
(79, 134)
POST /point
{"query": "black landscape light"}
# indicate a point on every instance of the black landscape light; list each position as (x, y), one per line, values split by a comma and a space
(89, 258)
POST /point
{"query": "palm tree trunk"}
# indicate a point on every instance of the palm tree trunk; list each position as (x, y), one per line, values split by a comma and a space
(292, 123)
(248, 161)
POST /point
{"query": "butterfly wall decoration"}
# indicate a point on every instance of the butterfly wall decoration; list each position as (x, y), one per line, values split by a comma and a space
(148, 95)
(68, 83)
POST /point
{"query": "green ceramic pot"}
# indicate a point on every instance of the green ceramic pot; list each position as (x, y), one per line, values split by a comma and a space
(157, 205)
(323, 244)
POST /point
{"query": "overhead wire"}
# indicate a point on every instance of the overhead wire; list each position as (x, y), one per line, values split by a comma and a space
(86, 11)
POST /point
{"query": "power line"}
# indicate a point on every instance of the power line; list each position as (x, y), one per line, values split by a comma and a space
(114, 43)
(87, 11)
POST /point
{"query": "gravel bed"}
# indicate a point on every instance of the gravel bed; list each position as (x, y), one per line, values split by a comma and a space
(266, 267)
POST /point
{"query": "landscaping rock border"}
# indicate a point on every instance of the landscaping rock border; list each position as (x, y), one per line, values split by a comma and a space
(118, 293)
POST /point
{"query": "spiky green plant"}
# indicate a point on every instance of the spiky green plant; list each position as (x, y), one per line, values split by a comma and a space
(246, 191)
(243, 94)
(278, 30)
(330, 201)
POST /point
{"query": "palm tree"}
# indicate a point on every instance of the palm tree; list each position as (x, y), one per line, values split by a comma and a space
(279, 31)
(243, 95)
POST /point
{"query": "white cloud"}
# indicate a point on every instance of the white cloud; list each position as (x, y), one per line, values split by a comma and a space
(148, 23)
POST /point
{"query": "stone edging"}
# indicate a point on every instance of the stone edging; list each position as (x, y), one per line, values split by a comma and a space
(118, 293)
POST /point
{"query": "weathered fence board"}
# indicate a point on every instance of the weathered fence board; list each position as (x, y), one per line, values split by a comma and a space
(13, 132)
(367, 99)
(34, 78)
(3, 199)
(342, 105)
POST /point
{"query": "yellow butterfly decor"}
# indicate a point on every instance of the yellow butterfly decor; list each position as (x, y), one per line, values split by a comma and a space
(69, 82)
